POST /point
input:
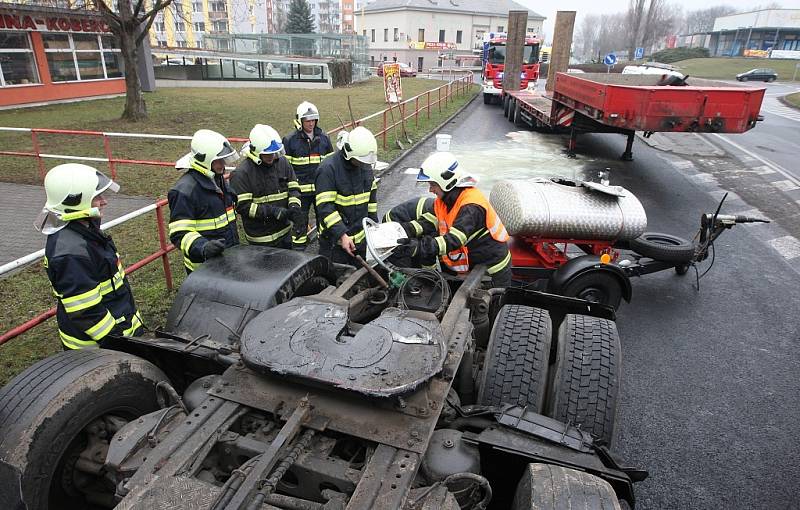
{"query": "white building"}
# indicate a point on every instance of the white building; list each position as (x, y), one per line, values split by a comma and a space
(421, 32)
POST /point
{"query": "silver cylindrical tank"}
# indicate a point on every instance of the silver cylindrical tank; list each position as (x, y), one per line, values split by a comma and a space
(448, 454)
(544, 208)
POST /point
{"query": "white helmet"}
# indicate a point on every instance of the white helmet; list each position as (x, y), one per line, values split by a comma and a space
(341, 138)
(305, 111)
(207, 147)
(263, 140)
(70, 189)
(361, 146)
(442, 168)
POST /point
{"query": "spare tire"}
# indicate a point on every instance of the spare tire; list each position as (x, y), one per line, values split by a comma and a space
(515, 368)
(549, 486)
(663, 247)
(52, 411)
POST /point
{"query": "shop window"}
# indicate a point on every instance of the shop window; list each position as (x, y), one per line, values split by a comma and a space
(78, 57)
(17, 63)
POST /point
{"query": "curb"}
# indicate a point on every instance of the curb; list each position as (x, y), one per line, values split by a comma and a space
(783, 100)
(399, 159)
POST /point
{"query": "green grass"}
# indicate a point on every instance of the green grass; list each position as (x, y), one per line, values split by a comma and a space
(793, 99)
(233, 112)
(728, 68)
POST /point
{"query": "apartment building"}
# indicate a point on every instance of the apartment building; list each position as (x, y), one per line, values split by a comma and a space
(425, 32)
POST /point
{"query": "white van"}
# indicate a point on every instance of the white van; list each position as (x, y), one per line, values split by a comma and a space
(660, 69)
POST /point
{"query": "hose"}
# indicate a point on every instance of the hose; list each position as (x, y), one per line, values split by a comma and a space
(268, 485)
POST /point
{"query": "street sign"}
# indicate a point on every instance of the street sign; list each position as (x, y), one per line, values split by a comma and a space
(639, 54)
(610, 59)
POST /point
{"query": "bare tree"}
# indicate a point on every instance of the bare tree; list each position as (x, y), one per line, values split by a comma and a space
(587, 37)
(702, 20)
(131, 22)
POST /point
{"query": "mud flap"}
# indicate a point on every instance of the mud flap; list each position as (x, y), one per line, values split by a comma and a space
(11, 487)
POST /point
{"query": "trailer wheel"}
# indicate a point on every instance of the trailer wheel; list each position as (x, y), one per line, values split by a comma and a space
(596, 287)
(664, 247)
(506, 105)
(512, 109)
(515, 368)
(586, 380)
(65, 408)
(518, 120)
(487, 98)
(549, 486)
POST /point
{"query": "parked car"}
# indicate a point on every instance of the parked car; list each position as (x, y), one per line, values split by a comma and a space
(405, 70)
(758, 75)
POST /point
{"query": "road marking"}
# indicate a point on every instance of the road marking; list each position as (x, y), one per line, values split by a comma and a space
(762, 159)
(787, 246)
(775, 107)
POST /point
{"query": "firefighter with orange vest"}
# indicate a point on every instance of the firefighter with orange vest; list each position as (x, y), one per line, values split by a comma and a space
(469, 232)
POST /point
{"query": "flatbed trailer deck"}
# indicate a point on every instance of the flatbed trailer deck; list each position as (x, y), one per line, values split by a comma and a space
(617, 103)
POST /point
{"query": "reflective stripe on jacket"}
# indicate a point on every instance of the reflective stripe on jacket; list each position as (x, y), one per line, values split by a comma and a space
(345, 196)
(259, 187)
(88, 278)
(201, 209)
(306, 154)
(414, 212)
(484, 244)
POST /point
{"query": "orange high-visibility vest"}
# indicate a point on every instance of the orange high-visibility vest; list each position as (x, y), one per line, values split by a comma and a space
(458, 259)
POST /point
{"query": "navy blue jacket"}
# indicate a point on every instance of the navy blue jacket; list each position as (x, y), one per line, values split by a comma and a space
(201, 209)
(87, 276)
(306, 154)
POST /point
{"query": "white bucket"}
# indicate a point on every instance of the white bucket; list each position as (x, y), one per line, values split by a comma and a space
(443, 143)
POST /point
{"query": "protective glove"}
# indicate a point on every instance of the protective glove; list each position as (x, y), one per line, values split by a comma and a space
(406, 247)
(296, 216)
(279, 213)
(213, 248)
(409, 229)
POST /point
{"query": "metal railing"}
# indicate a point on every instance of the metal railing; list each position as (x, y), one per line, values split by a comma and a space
(423, 103)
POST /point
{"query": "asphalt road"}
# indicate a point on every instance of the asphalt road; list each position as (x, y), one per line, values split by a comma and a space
(710, 387)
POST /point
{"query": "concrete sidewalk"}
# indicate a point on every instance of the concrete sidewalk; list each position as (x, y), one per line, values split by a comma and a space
(20, 205)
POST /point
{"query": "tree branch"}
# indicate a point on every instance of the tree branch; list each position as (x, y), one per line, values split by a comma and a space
(149, 18)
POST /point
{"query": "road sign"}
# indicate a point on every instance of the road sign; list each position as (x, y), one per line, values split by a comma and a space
(639, 54)
(610, 59)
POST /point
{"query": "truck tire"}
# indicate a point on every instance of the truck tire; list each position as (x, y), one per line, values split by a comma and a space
(587, 373)
(506, 105)
(50, 411)
(518, 120)
(515, 368)
(595, 286)
(545, 486)
(512, 108)
(487, 98)
(664, 247)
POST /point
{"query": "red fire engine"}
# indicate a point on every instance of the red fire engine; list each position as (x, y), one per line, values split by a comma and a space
(493, 60)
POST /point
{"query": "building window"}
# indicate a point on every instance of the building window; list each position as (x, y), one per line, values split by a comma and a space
(421, 35)
(78, 57)
(365, 33)
(162, 44)
(197, 6)
(198, 44)
(385, 35)
(500, 28)
(181, 44)
(160, 27)
(394, 59)
(217, 6)
(200, 27)
(373, 35)
(458, 36)
(384, 58)
(441, 35)
(396, 34)
(220, 26)
(180, 26)
(17, 63)
(178, 8)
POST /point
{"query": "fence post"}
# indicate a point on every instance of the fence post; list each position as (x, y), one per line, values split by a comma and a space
(162, 241)
(416, 112)
(111, 165)
(35, 140)
(439, 101)
(429, 104)
(384, 129)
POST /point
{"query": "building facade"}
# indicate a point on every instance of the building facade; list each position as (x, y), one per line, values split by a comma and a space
(427, 33)
(768, 32)
(51, 54)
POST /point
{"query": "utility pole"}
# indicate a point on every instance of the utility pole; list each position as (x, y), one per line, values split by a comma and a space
(515, 49)
(562, 43)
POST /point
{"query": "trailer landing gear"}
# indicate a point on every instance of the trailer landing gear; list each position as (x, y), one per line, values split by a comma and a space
(628, 154)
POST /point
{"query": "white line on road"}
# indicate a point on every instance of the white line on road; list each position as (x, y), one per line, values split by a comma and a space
(762, 159)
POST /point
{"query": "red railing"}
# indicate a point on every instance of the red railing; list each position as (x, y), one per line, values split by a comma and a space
(454, 88)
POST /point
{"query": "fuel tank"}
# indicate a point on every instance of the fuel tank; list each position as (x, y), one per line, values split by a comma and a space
(568, 210)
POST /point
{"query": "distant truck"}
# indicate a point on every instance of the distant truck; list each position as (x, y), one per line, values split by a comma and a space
(493, 63)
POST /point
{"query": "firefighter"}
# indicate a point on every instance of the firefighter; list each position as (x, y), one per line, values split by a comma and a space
(202, 216)
(268, 195)
(412, 214)
(346, 193)
(469, 232)
(82, 263)
(306, 147)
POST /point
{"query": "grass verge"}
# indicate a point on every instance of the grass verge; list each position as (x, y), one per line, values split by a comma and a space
(172, 111)
(727, 68)
(793, 99)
